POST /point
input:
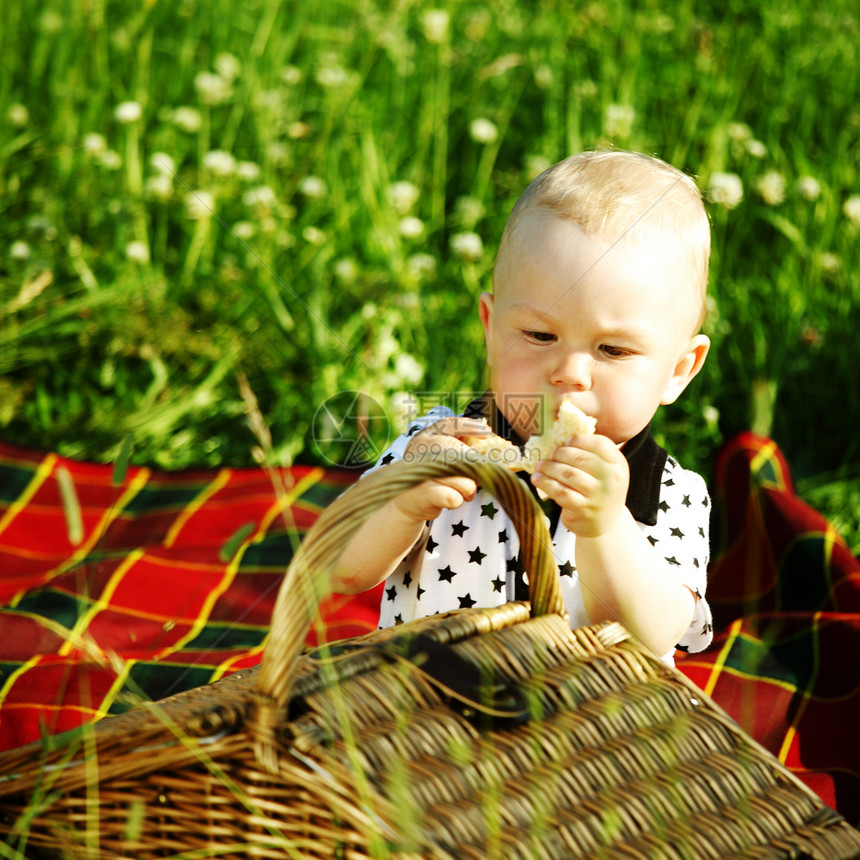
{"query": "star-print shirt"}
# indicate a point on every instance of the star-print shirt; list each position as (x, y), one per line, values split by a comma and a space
(470, 556)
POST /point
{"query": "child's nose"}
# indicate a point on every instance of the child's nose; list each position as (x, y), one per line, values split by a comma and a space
(574, 370)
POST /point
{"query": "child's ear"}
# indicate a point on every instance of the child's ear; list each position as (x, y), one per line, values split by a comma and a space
(688, 365)
(486, 306)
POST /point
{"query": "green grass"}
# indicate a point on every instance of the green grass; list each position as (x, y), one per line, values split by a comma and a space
(128, 318)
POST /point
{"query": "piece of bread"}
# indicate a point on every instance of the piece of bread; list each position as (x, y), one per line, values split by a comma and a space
(497, 450)
(570, 421)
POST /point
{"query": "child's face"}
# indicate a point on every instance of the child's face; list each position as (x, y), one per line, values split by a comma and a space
(611, 325)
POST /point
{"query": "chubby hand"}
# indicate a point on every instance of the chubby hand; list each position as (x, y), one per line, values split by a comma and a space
(588, 478)
(428, 500)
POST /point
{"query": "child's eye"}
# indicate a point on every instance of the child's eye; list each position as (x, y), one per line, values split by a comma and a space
(614, 351)
(540, 336)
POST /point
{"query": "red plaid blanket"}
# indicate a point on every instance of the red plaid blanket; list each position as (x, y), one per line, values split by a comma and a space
(118, 587)
(785, 591)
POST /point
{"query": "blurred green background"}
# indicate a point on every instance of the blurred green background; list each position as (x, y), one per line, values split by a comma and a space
(214, 211)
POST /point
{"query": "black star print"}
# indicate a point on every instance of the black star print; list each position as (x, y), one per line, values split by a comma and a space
(498, 584)
(391, 592)
(673, 560)
(407, 578)
(466, 602)
(706, 502)
(669, 482)
(676, 532)
(398, 619)
(652, 540)
(413, 430)
(686, 502)
(431, 544)
(446, 574)
(459, 529)
(515, 565)
(701, 531)
(489, 510)
(387, 459)
(503, 536)
(476, 556)
(566, 569)
(663, 506)
(419, 592)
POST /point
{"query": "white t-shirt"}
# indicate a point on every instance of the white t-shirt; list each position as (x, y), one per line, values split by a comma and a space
(470, 556)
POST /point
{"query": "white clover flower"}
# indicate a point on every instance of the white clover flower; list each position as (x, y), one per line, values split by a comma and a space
(467, 246)
(199, 205)
(313, 235)
(219, 163)
(420, 266)
(434, 24)
(402, 196)
(51, 21)
(470, 210)
(228, 66)
(272, 101)
(137, 252)
(19, 250)
(244, 230)
(292, 75)
(332, 76)
(543, 76)
(248, 171)
(95, 144)
(159, 187)
(408, 368)
(809, 187)
(110, 159)
(18, 115)
(212, 89)
(663, 24)
(739, 131)
(313, 187)
(411, 227)
(161, 162)
(851, 208)
(187, 119)
(260, 195)
(618, 120)
(482, 130)
(726, 189)
(278, 153)
(128, 112)
(298, 130)
(830, 263)
(711, 415)
(585, 89)
(346, 270)
(771, 186)
(755, 148)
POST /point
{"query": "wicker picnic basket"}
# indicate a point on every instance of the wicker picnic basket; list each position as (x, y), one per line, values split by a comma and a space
(482, 733)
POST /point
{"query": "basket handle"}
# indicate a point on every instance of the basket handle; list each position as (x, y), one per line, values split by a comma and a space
(307, 580)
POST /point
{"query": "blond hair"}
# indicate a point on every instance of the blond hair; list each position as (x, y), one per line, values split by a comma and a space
(616, 194)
